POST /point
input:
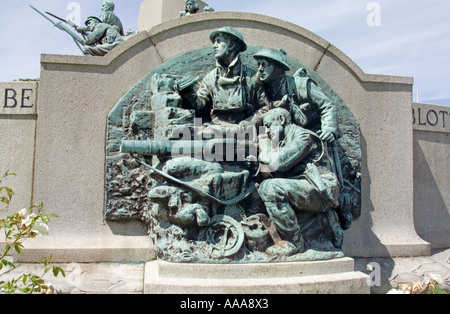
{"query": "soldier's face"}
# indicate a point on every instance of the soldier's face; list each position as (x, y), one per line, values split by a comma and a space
(274, 129)
(106, 6)
(190, 6)
(91, 24)
(266, 70)
(276, 122)
(221, 47)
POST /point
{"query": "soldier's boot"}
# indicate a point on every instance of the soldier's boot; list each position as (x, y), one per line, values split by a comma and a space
(337, 237)
(286, 223)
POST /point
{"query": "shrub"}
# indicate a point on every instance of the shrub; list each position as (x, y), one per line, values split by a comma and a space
(18, 227)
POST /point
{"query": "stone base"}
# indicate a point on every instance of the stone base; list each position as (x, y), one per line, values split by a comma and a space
(322, 277)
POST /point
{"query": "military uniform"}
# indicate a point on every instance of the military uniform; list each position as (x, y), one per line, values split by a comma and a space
(111, 18)
(102, 39)
(302, 187)
(226, 95)
(309, 106)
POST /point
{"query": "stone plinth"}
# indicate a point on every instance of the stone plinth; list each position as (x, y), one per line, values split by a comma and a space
(323, 277)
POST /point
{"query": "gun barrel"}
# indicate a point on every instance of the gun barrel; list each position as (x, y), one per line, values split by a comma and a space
(70, 32)
(56, 17)
(39, 12)
(162, 148)
(176, 148)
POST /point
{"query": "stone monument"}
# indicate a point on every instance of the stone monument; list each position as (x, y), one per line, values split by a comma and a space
(100, 35)
(205, 197)
(229, 160)
(223, 152)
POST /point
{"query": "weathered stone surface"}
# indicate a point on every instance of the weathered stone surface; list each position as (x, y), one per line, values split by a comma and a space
(70, 181)
(333, 277)
(432, 118)
(431, 178)
(89, 278)
(18, 107)
(398, 271)
(18, 98)
(136, 278)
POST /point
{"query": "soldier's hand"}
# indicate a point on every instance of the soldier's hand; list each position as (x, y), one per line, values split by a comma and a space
(186, 82)
(326, 136)
(282, 103)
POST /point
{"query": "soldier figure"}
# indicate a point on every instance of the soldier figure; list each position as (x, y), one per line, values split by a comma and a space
(192, 7)
(303, 184)
(108, 17)
(225, 95)
(309, 106)
(102, 39)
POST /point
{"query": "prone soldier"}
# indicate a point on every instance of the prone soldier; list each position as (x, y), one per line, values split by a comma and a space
(102, 39)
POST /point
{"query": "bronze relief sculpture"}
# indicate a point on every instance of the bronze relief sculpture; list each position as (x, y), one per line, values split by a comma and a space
(228, 159)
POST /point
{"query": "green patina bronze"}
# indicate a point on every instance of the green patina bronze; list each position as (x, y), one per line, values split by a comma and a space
(193, 7)
(235, 154)
(100, 35)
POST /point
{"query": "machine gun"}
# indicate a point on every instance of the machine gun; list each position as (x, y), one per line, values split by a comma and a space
(162, 148)
(78, 41)
(186, 148)
(183, 148)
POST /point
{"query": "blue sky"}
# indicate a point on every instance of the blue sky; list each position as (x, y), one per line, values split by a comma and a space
(408, 38)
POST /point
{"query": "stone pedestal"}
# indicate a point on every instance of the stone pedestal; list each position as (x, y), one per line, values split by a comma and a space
(322, 277)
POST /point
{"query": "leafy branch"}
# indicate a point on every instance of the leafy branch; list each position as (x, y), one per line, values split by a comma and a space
(18, 227)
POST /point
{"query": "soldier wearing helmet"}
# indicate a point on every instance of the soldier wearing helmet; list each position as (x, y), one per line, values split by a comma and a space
(309, 106)
(102, 39)
(302, 190)
(192, 7)
(226, 94)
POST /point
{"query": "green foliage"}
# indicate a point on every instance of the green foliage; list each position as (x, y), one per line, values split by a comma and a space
(17, 227)
(438, 290)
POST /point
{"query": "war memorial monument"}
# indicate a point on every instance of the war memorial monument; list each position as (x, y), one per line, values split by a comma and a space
(222, 152)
